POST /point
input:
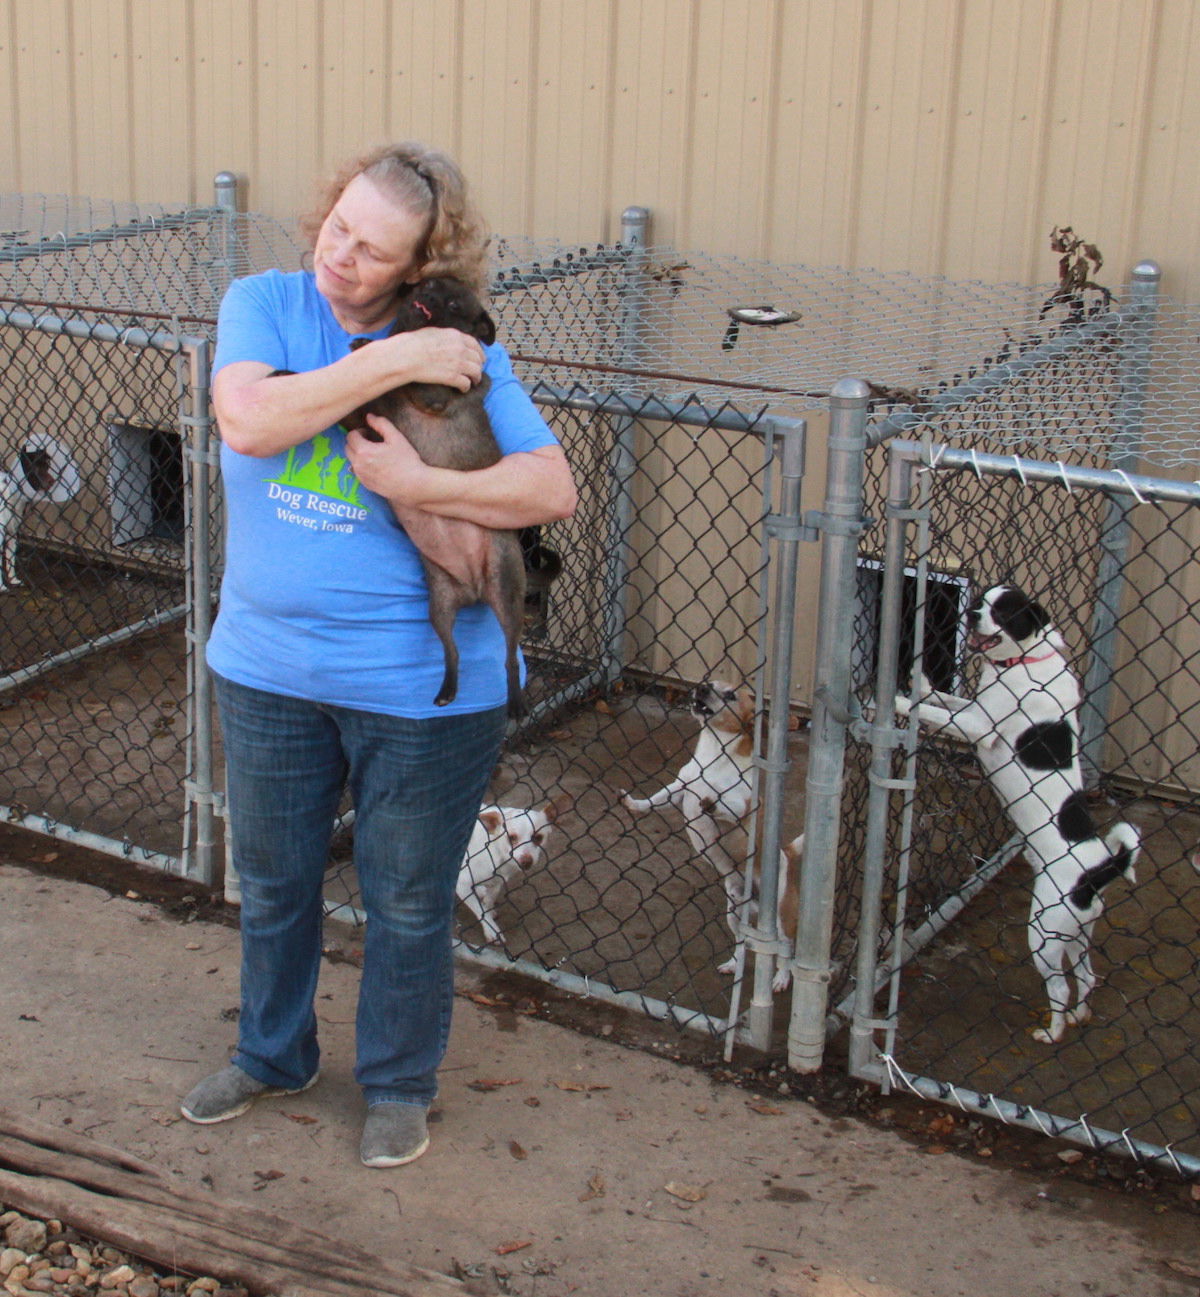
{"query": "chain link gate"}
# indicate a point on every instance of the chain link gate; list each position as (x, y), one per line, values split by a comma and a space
(944, 996)
(643, 610)
(108, 536)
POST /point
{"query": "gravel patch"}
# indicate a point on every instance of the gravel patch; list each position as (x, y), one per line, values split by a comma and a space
(39, 1257)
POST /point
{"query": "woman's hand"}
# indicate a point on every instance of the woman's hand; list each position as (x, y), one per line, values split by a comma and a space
(391, 467)
(519, 490)
(443, 356)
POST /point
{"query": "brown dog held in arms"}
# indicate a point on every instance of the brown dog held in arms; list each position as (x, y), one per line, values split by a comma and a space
(464, 563)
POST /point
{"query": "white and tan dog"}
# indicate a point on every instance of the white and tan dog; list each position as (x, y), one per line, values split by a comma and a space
(1025, 731)
(504, 841)
(713, 792)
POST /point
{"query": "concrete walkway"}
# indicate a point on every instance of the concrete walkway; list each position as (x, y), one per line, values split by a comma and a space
(564, 1163)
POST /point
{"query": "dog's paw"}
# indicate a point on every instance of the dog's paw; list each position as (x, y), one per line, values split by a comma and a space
(783, 977)
(1045, 1036)
(1078, 1016)
(729, 966)
(635, 805)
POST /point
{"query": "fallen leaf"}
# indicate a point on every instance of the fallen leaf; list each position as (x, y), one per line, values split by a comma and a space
(485, 1000)
(49, 858)
(603, 708)
(1182, 1267)
(133, 896)
(596, 1188)
(763, 1108)
(486, 1085)
(504, 1249)
(300, 1118)
(686, 1192)
(265, 1176)
(577, 1087)
(192, 945)
(1070, 1156)
(533, 1101)
(943, 1125)
(517, 1151)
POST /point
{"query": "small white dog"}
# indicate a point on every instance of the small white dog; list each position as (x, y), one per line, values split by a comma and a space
(1023, 725)
(504, 841)
(712, 792)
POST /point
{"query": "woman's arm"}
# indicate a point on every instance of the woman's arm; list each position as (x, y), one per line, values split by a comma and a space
(519, 490)
(260, 414)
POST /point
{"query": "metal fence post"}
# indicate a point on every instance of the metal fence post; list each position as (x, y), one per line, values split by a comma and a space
(630, 347)
(785, 528)
(841, 524)
(225, 187)
(884, 740)
(1111, 577)
(197, 423)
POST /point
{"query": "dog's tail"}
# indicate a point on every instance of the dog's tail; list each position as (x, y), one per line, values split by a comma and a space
(1124, 843)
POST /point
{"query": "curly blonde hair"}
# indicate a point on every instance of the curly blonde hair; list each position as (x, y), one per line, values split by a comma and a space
(428, 184)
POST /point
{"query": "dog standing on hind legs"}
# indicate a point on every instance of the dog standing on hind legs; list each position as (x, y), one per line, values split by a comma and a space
(713, 793)
(1024, 728)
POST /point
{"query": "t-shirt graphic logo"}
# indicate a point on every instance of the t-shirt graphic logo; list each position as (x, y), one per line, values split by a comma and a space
(323, 472)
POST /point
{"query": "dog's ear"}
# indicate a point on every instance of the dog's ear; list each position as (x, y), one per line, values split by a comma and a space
(491, 820)
(484, 328)
(1018, 615)
(552, 810)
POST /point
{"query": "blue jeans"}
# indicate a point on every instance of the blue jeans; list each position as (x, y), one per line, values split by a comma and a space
(417, 786)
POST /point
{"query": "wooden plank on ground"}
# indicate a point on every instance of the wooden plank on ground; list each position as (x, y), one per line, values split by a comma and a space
(119, 1199)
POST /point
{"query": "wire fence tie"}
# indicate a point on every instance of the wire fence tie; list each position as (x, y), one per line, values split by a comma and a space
(1137, 495)
(1062, 468)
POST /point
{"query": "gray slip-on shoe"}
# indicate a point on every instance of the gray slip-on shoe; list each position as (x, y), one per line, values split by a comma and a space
(228, 1093)
(394, 1134)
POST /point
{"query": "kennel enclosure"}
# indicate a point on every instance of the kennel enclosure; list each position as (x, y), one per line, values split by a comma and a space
(794, 477)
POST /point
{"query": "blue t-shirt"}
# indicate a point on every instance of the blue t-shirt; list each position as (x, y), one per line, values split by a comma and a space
(323, 595)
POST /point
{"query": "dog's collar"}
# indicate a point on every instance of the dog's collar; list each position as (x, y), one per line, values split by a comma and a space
(1005, 663)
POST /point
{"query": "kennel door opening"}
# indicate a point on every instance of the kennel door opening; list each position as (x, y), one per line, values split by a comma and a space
(145, 482)
(946, 597)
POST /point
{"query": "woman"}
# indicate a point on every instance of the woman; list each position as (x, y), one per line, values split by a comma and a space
(324, 662)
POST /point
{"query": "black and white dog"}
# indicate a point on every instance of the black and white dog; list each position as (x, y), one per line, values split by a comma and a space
(32, 477)
(1024, 727)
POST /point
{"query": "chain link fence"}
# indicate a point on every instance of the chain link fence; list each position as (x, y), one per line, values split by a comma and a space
(1069, 481)
(739, 520)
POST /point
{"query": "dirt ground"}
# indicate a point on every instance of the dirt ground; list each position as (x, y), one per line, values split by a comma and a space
(575, 1151)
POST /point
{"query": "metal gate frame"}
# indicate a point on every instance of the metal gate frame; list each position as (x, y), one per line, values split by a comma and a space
(783, 530)
(196, 858)
(911, 469)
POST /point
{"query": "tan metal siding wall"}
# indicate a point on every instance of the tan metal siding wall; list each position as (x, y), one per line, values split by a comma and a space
(939, 136)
